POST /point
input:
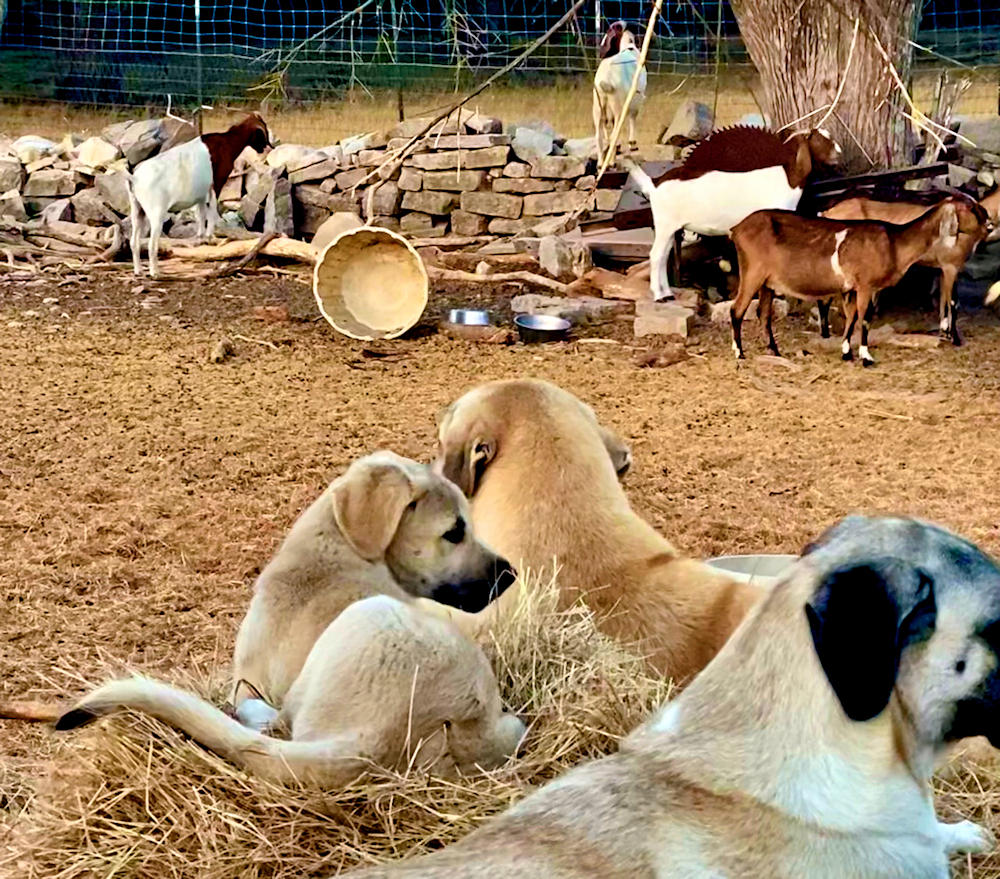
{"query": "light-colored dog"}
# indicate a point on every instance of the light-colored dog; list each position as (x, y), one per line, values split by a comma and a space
(540, 471)
(803, 751)
(386, 685)
(388, 526)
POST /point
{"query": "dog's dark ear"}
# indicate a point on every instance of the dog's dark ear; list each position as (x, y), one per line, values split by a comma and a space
(861, 617)
(465, 463)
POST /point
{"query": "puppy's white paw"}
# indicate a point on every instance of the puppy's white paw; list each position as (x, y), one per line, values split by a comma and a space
(966, 837)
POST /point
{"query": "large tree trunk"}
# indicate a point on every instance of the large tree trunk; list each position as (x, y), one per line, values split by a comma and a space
(800, 49)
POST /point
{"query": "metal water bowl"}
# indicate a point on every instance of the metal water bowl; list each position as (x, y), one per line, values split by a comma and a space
(763, 570)
(541, 327)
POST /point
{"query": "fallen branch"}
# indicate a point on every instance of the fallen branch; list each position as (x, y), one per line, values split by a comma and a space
(117, 243)
(287, 248)
(436, 273)
(233, 268)
(33, 712)
(256, 341)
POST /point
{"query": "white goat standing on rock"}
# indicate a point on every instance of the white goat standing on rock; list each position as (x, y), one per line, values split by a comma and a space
(611, 85)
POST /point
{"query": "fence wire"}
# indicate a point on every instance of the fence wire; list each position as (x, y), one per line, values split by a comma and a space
(117, 52)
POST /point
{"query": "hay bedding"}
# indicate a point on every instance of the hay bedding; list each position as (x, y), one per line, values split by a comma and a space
(131, 797)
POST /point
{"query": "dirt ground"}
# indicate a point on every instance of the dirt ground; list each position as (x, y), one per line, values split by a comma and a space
(142, 487)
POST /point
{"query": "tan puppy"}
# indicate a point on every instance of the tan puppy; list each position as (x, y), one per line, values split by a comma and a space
(540, 471)
(803, 751)
(388, 526)
(385, 684)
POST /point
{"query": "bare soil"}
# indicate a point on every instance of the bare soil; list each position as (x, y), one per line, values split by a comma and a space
(142, 487)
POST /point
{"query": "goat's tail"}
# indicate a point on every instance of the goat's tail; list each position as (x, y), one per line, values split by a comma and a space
(993, 294)
(646, 185)
(329, 763)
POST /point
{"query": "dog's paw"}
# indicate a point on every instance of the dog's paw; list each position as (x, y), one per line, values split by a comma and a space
(966, 837)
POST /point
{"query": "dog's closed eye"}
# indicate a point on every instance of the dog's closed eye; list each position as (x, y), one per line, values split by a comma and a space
(455, 534)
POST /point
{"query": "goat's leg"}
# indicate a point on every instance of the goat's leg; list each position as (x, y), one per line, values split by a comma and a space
(674, 263)
(598, 112)
(156, 220)
(866, 309)
(135, 237)
(850, 316)
(948, 328)
(748, 289)
(764, 312)
(659, 255)
(824, 317)
(633, 144)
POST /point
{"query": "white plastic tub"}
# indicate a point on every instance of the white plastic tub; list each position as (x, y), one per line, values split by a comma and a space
(762, 569)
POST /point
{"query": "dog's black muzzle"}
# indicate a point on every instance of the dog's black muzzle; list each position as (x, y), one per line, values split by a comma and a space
(473, 595)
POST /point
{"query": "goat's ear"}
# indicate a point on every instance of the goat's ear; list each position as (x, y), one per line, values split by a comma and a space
(618, 450)
(861, 617)
(465, 463)
(368, 503)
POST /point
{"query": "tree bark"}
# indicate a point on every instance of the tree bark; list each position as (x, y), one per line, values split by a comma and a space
(800, 49)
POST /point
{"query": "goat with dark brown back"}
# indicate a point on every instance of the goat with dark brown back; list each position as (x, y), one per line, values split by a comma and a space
(815, 259)
(225, 146)
(725, 178)
(611, 41)
(948, 260)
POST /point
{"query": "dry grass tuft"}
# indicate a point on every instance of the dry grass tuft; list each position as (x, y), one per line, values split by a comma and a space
(133, 798)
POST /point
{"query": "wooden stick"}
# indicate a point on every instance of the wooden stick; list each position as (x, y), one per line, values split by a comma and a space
(233, 268)
(32, 712)
(256, 341)
(288, 248)
(438, 274)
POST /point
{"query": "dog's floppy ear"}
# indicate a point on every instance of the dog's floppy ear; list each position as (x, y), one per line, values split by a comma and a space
(861, 617)
(465, 464)
(368, 502)
(618, 450)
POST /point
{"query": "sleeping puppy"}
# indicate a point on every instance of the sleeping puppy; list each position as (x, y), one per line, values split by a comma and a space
(385, 686)
(541, 473)
(803, 751)
(388, 526)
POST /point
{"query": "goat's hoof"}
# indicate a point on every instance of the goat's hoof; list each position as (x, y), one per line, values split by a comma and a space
(847, 357)
(825, 335)
(866, 362)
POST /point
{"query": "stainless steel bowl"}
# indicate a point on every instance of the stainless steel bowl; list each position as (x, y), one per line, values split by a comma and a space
(541, 327)
(467, 317)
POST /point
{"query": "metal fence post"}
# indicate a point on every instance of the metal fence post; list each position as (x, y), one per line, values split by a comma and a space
(197, 40)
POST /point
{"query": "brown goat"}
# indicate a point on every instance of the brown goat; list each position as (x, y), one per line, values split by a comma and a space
(949, 260)
(225, 146)
(815, 258)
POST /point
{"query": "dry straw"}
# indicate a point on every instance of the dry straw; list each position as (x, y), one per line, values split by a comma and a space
(131, 797)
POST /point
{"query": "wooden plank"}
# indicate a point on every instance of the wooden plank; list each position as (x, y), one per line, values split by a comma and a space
(899, 175)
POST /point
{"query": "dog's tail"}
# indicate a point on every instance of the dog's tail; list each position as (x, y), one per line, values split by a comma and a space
(646, 185)
(329, 763)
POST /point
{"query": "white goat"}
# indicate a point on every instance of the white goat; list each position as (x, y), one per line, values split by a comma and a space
(177, 179)
(611, 85)
(727, 177)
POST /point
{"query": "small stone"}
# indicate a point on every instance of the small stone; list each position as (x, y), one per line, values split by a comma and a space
(553, 203)
(315, 171)
(411, 180)
(416, 222)
(413, 127)
(578, 310)
(278, 215)
(466, 224)
(555, 258)
(11, 174)
(480, 124)
(502, 226)
(12, 205)
(232, 189)
(113, 188)
(492, 204)
(581, 147)
(285, 153)
(15, 324)
(586, 182)
(662, 319)
(692, 121)
(553, 226)
(529, 144)
(96, 152)
(51, 183)
(430, 202)
(309, 219)
(522, 185)
(488, 158)
(141, 140)
(387, 199)
(454, 181)
(221, 350)
(516, 169)
(271, 314)
(607, 199)
(564, 167)
(259, 184)
(57, 212)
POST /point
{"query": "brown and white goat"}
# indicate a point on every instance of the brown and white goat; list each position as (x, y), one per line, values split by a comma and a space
(611, 87)
(225, 146)
(816, 259)
(949, 260)
(725, 178)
